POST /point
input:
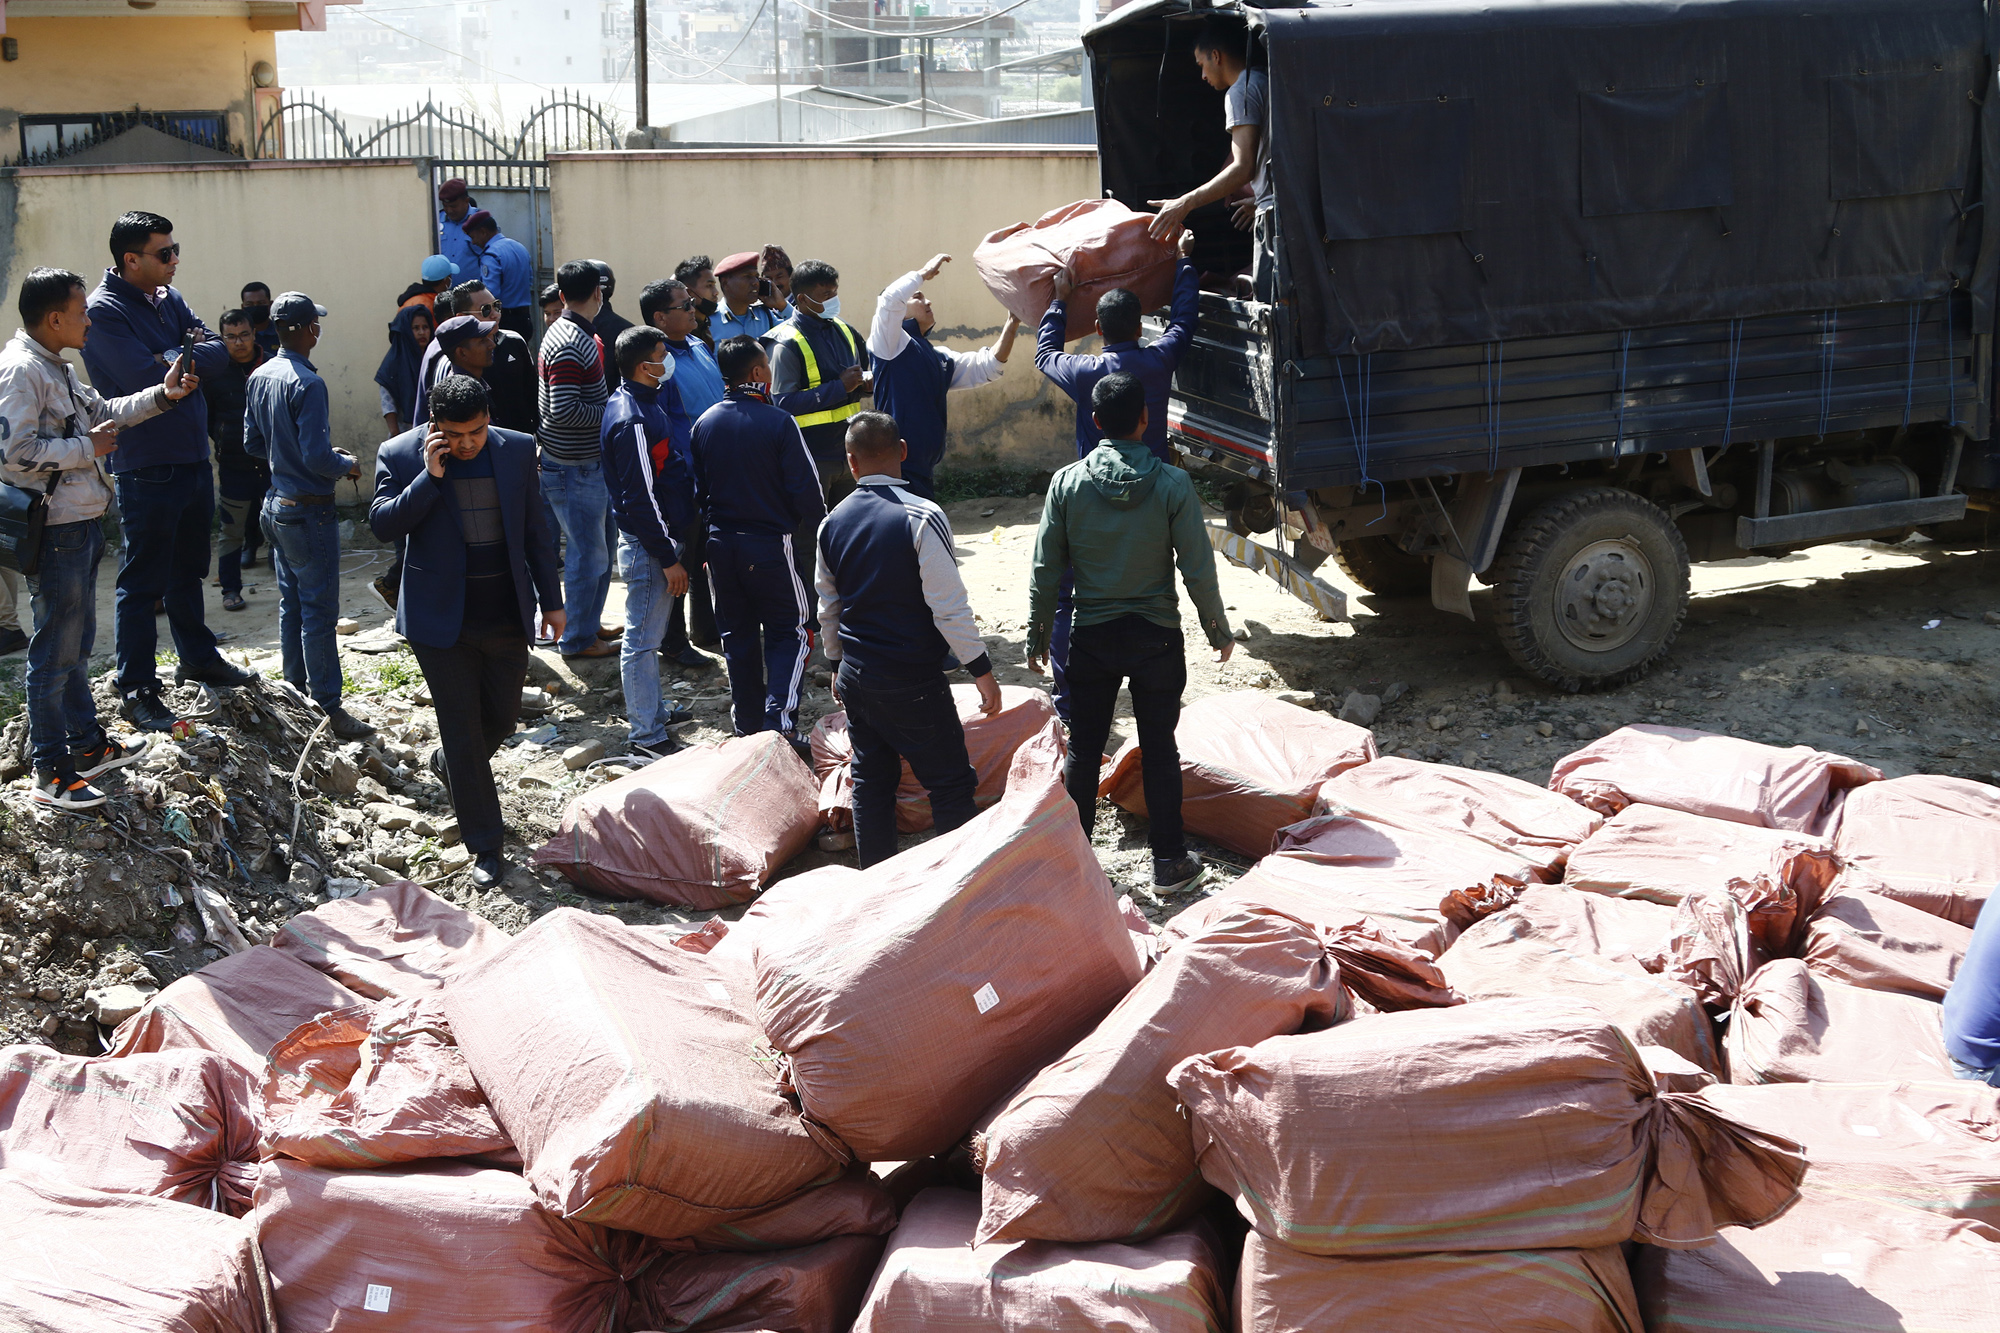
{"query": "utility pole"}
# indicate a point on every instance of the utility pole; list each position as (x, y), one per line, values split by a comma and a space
(639, 63)
(924, 82)
(778, 72)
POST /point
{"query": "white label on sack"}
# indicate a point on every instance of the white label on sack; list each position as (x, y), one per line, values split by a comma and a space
(1865, 1131)
(986, 997)
(718, 992)
(1708, 858)
(1836, 1259)
(377, 1298)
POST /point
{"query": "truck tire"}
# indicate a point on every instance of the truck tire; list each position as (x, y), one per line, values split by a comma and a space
(1381, 566)
(1590, 589)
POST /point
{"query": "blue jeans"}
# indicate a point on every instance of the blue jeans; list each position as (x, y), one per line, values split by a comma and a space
(575, 491)
(62, 717)
(305, 550)
(647, 608)
(891, 721)
(167, 512)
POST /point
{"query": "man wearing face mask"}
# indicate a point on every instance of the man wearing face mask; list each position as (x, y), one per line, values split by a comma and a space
(255, 301)
(912, 377)
(652, 498)
(463, 494)
(697, 274)
(819, 374)
(666, 306)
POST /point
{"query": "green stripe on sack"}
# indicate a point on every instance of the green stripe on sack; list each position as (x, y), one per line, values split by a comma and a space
(1284, 1229)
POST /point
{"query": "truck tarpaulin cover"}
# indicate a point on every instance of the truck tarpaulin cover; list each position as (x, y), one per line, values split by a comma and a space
(74, 1260)
(815, 1289)
(178, 1125)
(1932, 842)
(1934, 1146)
(1496, 1125)
(1790, 1026)
(1831, 1265)
(398, 940)
(1460, 172)
(598, 1046)
(990, 743)
(1103, 243)
(944, 977)
(240, 1006)
(934, 1278)
(441, 1248)
(1250, 765)
(1281, 1290)
(702, 828)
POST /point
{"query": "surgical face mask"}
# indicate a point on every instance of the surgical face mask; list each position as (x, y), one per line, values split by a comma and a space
(665, 370)
(831, 310)
(705, 307)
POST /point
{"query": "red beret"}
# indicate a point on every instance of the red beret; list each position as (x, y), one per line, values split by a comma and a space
(747, 259)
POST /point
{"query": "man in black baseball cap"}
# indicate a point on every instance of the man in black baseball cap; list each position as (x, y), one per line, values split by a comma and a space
(463, 345)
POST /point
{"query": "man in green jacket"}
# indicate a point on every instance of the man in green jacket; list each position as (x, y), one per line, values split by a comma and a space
(1122, 520)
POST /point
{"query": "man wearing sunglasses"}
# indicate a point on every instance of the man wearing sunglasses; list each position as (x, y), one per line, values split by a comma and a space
(509, 373)
(166, 489)
(668, 306)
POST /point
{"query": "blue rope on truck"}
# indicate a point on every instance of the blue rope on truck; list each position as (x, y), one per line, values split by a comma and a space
(1364, 381)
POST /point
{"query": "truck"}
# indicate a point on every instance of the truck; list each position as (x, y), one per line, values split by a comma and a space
(1572, 293)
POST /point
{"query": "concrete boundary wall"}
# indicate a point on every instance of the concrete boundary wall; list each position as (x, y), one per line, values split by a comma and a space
(874, 213)
(351, 234)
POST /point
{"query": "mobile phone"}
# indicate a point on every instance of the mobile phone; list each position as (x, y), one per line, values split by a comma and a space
(189, 341)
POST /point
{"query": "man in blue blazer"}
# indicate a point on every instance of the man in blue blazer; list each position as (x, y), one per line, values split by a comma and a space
(464, 497)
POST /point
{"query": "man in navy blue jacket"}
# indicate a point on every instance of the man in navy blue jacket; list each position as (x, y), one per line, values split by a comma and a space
(757, 485)
(645, 443)
(166, 490)
(1077, 373)
(465, 499)
(892, 606)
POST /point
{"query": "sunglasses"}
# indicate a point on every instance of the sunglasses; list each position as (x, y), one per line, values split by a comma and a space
(684, 305)
(164, 254)
(486, 308)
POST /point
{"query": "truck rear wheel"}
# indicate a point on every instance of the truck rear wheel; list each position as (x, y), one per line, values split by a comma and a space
(1590, 589)
(1381, 566)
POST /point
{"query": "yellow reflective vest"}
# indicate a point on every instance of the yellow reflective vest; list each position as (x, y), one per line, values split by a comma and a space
(813, 376)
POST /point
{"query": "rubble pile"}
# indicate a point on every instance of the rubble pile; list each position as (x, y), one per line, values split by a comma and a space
(1658, 1049)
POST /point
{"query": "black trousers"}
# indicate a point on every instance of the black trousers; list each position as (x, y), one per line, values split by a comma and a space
(766, 618)
(692, 621)
(890, 721)
(476, 687)
(1152, 659)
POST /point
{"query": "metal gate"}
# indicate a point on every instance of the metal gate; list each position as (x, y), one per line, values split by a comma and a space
(507, 173)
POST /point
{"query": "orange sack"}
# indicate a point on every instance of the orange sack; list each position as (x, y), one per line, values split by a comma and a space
(398, 940)
(1703, 773)
(814, 1289)
(178, 1125)
(1790, 1025)
(1103, 243)
(1250, 765)
(240, 1006)
(1932, 842)
(1497, 1125)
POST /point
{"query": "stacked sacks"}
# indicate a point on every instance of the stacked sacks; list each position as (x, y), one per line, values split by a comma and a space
(77, 1260)
(1931, 842)
(990, 743)
(1555, 942)
(1791, 1026)
(239, 1007)
(1718, 777)
(598, 1046)
(179, 1125)
(704, 828)
(939, 979)
(1491, 1127)
(1878, 943)
(1094, 1147)
(1539, 826)
(1250, 765)
(813, 1289)
(400, 940)
(934, 1277)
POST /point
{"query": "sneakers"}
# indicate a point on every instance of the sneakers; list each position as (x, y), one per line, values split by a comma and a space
(385, 591)
(144, 709)
(1171, 874)
(67, 791)
(347, 726)
(113, 753)
(678, 713)
(218, 672)
(657, 750)
(12, 641)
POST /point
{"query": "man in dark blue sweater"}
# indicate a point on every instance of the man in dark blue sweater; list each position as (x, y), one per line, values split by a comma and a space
(166, 492)
(912, 377)
(645, 442)
(893, 607)
(757, 486)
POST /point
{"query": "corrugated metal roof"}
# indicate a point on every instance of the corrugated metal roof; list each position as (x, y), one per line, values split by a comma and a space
(1046, 127)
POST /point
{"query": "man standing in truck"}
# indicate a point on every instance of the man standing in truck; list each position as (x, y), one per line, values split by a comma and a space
(1222, 51)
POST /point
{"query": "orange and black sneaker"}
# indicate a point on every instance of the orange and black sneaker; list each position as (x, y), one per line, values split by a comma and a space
(113, 753)
(67, 791)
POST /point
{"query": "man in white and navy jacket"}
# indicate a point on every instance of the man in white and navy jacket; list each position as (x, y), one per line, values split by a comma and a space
(894, 614)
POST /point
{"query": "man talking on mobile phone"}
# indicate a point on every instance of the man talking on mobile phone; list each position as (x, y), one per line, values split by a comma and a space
(465, 498)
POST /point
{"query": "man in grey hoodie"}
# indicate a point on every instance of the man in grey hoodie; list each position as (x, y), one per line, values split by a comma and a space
(1123, 520)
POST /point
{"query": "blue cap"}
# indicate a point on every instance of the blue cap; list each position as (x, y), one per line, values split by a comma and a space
(437, 266)
(295, 308)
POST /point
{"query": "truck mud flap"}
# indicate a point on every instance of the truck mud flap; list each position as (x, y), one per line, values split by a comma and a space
(1281, 569)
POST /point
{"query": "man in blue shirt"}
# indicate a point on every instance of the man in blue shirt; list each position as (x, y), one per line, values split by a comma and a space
(1972, 1005)
(507, 269)
(668, 306)
(455, 203)
(743, 309)
(166, 488)
(1076, 374)
(285, 421)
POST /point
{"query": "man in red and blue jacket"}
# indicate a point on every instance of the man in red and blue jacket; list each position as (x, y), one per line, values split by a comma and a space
(166, 490)
(645, 447)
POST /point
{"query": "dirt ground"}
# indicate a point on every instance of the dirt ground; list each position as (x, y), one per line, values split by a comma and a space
(1884, 653)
